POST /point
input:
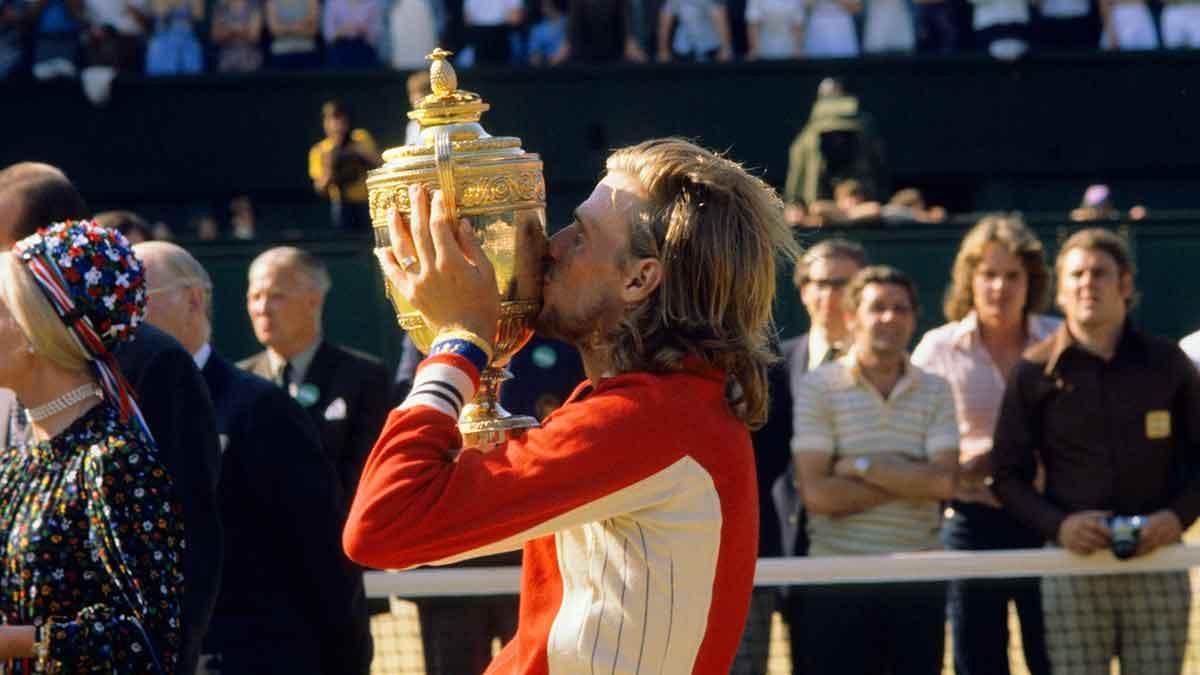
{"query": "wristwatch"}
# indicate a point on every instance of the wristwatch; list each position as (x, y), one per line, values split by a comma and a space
(861, 466)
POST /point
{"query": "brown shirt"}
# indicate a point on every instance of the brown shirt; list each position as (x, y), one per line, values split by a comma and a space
(1120, 435)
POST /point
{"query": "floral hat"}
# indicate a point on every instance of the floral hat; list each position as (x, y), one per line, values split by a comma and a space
(98, 288)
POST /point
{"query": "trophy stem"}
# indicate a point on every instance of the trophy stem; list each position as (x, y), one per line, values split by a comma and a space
(483, 421)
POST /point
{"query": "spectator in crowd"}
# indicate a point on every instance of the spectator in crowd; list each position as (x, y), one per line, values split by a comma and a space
(838, 142)
(831, 32)
(775, 29)
(412, 33)
(418, 88)
(288, 599)
(1109, 412)
(937, 26)
(174, 400)
(1065, 24)
(888, 27)
(204, 226)
(115, 33)
(876, 451)
(294, 25)
(908, 206)
(1097, 204)
(338, 166)
(135, 228)
(702, 33)
(547, 36)
(344, 391)
(821, 277)
(1001, 27)
(352, 30)
(13, 34)
(237, 35)
(57, 25)
(599, 31)
(1127, 25)
(487, 24)
(92, 526)
(173, 48)
(1180, 21)
(851, 205)
(242, 221)
(999, 283)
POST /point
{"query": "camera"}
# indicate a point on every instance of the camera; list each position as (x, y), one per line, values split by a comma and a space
(1124, 531)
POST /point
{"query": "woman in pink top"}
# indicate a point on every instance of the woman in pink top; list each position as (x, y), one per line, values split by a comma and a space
(999, 282)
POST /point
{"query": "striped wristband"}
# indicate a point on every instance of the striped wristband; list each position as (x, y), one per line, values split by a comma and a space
(449, 377)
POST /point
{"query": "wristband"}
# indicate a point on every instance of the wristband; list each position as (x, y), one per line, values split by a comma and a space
(465, 336)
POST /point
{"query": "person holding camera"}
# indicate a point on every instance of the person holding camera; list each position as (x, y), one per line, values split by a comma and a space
(1112, 413)
(338, 166)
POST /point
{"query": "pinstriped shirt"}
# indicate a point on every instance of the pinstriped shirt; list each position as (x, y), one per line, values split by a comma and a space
(838, 413)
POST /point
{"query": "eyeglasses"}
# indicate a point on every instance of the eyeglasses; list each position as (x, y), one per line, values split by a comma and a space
(832, 284)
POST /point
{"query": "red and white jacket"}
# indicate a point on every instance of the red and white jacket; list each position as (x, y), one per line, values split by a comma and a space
(635, 503)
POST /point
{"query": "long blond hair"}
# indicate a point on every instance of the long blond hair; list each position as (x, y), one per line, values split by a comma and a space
(45, 331)
(716, 230)
(1010, 233)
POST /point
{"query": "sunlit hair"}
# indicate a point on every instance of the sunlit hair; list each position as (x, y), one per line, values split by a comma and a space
(308, 265)
(878, 274)
(32, 311)
(1010, 233)
(1105, 241)
(182, 270)
(716, 230)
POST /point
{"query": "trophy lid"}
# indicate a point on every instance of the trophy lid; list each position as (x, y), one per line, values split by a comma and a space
(490, 173)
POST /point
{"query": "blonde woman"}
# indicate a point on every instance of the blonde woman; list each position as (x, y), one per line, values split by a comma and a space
(999, 283)
(89, 528)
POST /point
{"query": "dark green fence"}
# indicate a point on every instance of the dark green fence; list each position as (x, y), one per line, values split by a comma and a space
(1167, 251)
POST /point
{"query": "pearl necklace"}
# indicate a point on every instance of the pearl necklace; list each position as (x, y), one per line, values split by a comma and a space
(62, 402)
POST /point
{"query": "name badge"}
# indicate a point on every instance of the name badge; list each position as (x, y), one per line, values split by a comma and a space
(1158, 424)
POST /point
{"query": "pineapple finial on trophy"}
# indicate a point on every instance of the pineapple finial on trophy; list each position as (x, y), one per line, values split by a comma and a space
(442, 78)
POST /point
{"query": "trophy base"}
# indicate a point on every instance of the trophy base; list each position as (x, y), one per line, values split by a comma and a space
(483, 421)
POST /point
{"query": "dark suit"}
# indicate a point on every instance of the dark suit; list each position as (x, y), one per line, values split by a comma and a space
(177, 407)
(289, 601)
(364, 388)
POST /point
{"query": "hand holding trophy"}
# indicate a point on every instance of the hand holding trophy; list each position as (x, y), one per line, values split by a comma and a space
(437, 273)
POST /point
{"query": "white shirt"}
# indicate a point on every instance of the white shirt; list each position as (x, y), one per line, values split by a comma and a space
(113, 13)
(489, 12)
(1191, 346)
(300, 363)
(990, 13)
(775, 19)
(202, 355)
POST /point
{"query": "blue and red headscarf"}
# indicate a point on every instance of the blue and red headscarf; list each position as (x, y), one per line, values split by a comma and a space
(98, 288)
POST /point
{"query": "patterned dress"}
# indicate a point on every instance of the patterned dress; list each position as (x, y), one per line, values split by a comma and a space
(91, 540)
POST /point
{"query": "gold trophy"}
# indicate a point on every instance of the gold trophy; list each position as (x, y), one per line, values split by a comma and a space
(499, 188)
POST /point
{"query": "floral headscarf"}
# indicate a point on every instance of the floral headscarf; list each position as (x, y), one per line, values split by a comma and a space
(98, 289)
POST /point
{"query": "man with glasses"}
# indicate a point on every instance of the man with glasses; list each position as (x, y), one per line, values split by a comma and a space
(820, 276)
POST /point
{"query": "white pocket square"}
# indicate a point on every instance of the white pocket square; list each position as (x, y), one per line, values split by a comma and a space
(336, 410)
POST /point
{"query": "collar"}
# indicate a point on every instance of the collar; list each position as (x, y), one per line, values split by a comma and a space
(850, 375)
(1062, 341)
(300, 362)
(966, 331)
(202, 355)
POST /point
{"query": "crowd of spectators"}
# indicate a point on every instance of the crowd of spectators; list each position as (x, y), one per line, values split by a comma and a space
(50, 38)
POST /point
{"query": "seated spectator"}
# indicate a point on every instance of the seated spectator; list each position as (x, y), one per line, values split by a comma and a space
(876, 450)
(338, 166)
(599, 31)
(1001, 27)
(13, 24)
(831, 33)
(116, 30)
(242, 221)
(1180, 22)
(412, 33)
(1127, 25)
(775, 29)
(173, 48)
(702, 33)
(134, 227)
(1097, 204)
(888, 27)
(293, 25)
(352, 29)
(1065, 24)
(418, 88)
(56, 37)
(908, 206)
(237, 34)
(937, 26)
(487, 24)
(851, 205)
(547, 36)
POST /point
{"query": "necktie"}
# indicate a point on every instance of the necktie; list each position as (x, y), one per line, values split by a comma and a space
(285, 375)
